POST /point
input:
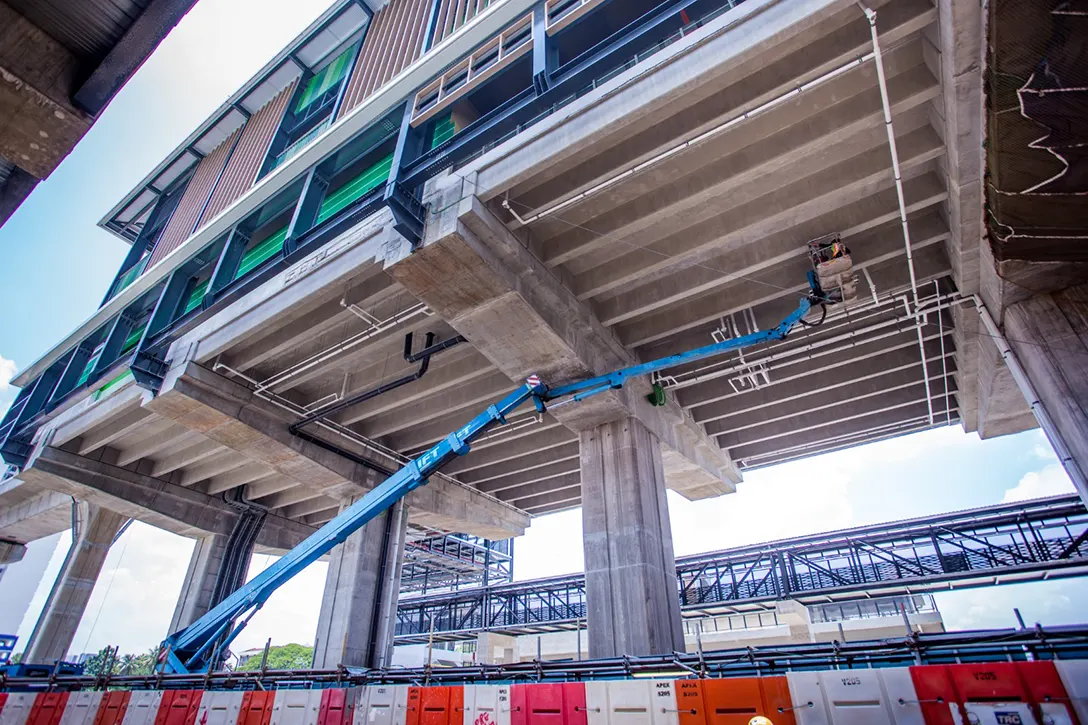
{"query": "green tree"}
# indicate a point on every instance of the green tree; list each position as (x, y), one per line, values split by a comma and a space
(283, 657)
(96, 664)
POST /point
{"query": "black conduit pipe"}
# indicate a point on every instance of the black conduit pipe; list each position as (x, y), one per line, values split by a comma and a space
(423, 357)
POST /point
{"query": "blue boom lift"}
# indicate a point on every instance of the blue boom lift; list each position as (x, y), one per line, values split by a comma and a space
(199, 646)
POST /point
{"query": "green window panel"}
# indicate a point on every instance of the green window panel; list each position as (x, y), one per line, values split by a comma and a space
(133, 338)
(329, 77)
(196, 297)
(355, 189)
(261, 253)
(108, 387)
(89, 367)
(132, 274)
(294, 148)
(443, 131)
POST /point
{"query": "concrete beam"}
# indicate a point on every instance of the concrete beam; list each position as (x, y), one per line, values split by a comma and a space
(137, 44)
(857, 222)
(230, 414)
(736, 167)
(29, 512)
(482, 280)
(136, 495)
(37, 75)
(479, 474)
(793, 203)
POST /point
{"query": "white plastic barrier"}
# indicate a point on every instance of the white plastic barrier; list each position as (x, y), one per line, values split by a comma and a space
(381, 705)
(142, 708)
(854, 697)
(993, 713)
(17, 708)
(296, 707)
(82, 708)
(219, 708)
(487, 705)
(631, 702)
(1074, 674)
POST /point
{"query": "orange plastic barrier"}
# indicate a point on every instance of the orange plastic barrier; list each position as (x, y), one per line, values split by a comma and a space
(48, 708)
(113, 708)
(179, 707)
(548, 704)
(436, 705)
(257, 708)
(734, 701)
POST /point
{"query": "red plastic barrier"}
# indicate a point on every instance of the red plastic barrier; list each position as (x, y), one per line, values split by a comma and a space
(257, 708)
(734, 701)
(436, 705)
(337, 707)
(3, 699)
(548, 704)
(1038, 684)
(113, 708)
(48, 708)
(179, 707)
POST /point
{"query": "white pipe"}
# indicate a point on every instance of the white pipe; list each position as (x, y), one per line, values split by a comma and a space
(944, 361)
(698, 376)
(725, 125)
(1076, 474)
(870, 14)
(330, 352)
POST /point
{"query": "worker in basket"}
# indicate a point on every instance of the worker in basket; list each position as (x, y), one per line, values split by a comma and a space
(834, 268)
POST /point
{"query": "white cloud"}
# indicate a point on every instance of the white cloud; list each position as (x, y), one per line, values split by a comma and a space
(8, 369)
(1050, 481)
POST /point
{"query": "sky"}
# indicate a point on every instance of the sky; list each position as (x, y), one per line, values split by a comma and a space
(58, 264)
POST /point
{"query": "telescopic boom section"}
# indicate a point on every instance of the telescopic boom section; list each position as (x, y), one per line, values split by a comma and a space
(200, 645)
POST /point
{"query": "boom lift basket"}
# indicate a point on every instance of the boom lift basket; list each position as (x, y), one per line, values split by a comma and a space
(834, 268)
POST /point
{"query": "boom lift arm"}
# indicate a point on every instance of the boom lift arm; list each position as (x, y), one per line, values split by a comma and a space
(199, 646)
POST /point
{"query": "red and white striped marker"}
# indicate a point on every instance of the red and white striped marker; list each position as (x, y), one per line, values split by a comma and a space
(533, 380)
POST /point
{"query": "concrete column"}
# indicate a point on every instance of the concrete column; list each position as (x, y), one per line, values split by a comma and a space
(631, 586)
(64, 608)
(1049, 334)
(359, 608)
(198, 589)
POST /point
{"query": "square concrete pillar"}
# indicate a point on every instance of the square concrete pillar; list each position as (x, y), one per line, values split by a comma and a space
(1049, 334)
(631, 588)
(359, 609)
(94, 533)
(198, 589)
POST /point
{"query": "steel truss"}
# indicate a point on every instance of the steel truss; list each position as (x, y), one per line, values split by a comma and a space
(438, 561)
(1000, 544)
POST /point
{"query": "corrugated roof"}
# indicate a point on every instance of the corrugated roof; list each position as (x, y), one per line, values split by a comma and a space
(88, 28)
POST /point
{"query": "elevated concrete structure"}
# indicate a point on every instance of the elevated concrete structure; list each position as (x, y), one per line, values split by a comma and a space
(660, 207)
